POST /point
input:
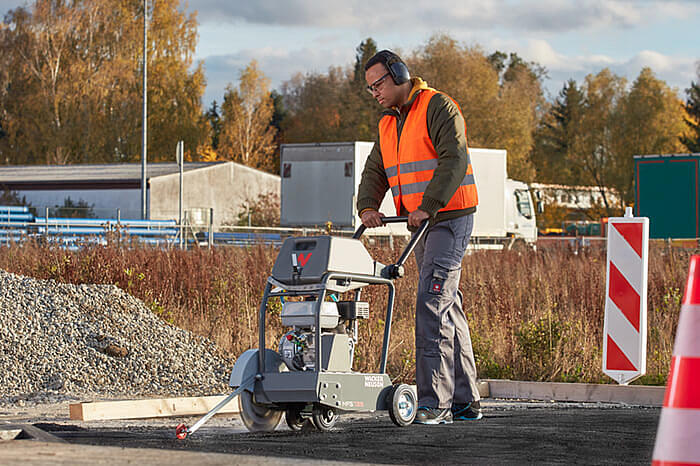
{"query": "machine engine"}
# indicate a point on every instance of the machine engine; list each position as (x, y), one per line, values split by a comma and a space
(338, 338)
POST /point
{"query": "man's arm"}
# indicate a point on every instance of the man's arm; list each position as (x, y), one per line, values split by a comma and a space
(446, 128)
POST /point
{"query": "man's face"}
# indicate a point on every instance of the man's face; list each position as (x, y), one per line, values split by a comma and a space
(382, 86)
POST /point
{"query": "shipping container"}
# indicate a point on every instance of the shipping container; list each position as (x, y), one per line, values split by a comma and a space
(666, 191)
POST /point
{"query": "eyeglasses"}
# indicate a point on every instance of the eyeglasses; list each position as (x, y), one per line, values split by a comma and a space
(374, 87)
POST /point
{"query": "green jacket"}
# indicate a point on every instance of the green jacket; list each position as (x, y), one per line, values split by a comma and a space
(446, 131)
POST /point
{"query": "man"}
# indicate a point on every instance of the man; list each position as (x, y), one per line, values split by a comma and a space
(422, 155)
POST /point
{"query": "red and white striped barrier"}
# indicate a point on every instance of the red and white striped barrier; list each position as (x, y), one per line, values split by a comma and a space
(678, 437)
(625, 327)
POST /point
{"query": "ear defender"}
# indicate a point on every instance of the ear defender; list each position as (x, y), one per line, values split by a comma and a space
(397, 68)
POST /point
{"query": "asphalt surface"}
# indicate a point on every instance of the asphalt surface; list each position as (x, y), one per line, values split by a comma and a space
(510, 433)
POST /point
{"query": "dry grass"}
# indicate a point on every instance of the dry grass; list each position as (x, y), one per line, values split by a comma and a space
(533, 315)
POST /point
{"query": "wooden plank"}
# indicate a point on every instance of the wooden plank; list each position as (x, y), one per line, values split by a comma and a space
(140, 409)
(579, 392)
(7, 433)
(166, 407)
(27, 431)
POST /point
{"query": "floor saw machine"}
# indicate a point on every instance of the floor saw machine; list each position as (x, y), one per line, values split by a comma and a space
(309, 274)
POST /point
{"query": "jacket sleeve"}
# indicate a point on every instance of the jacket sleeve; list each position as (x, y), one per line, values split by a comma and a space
(446, 128)
(373, 184)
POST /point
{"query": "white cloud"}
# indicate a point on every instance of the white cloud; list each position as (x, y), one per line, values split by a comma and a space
(277, 64)
(676, 71)
(541, 52)
(554, 15)
(7, 5)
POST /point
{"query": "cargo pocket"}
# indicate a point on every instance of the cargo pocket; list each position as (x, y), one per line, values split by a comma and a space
(437, 281)
(446, 274)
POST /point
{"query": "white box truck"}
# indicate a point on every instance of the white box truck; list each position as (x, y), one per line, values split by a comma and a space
(320, 183)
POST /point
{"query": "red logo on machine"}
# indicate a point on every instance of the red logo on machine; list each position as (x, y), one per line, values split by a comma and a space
(303, 260)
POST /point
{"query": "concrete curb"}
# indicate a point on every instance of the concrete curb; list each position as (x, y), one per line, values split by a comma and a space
(643, 395)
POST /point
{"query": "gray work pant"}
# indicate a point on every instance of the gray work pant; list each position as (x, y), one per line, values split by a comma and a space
(445, 368)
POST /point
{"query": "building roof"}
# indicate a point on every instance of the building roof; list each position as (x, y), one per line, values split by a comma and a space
(98, 176)
(117, 172)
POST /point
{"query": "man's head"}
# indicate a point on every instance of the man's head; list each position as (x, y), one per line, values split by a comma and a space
(387, 79)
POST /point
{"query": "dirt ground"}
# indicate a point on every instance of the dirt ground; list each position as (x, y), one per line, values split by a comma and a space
(511, 432)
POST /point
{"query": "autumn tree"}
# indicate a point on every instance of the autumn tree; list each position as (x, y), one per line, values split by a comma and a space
(650, 121)
(594, 156)
(175, 86)
(315, 106)
(361, 113)
(557, 138)
(72, 85)
(591, 133)
(692, 107)
(332, 106)
(500, 97)
(247, 135)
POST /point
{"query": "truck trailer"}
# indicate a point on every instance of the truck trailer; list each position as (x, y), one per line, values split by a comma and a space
(319, 184)
(666, 191)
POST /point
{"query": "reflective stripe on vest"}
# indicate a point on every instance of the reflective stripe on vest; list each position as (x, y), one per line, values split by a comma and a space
(410, 165)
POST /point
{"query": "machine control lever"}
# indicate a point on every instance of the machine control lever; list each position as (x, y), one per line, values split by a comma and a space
(393, 271)
(396, 270)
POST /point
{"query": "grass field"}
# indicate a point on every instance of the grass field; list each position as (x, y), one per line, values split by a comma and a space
(532, 315)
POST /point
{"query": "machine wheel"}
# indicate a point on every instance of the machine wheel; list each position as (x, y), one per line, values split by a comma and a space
(402, 405)
(324, 417)
(256, 417)
(295, 421)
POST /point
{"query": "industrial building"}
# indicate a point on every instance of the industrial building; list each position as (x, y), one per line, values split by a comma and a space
(114, 190)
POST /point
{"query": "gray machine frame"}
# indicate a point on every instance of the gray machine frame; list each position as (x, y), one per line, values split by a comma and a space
(342, 391)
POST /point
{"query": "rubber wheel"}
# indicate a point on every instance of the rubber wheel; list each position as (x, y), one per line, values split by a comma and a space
(295, 421)
(323, 417)
(256, 417)
(402, 405)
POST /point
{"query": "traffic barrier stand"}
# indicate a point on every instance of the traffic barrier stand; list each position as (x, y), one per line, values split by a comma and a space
(625, 326)
(678, 436)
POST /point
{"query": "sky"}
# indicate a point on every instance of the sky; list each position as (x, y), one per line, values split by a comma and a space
(569, 38)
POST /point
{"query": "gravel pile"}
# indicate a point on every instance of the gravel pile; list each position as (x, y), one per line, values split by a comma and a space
(67, 342)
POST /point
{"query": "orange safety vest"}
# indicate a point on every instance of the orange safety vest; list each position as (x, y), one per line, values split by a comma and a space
(409, 166)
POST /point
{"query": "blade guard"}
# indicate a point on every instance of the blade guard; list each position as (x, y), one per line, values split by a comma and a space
(246, 366)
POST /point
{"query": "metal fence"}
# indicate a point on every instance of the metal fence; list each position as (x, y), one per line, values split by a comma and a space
(19, 224)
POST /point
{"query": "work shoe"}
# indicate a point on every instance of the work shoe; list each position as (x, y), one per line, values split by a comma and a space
(468, 412)
(427, 415)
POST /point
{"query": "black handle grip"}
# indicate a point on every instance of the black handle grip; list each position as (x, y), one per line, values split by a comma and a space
(385, 220)
(397, 268)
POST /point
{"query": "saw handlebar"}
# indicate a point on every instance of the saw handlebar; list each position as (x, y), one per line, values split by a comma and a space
(397, 267)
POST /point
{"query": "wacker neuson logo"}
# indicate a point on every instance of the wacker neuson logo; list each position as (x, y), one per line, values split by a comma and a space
(374, 381)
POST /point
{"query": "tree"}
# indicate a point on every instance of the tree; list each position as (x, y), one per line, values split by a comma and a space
(500, 100)
(557, 138)
(11, 198)
(650, 121)
(175, 86)
(595, 156)
(333, 106)
(72, 84)
(247, 135)
(72, 209)
(214, 120)
(360, 114)
(316, 108)
(692, 107)
(263, 211)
